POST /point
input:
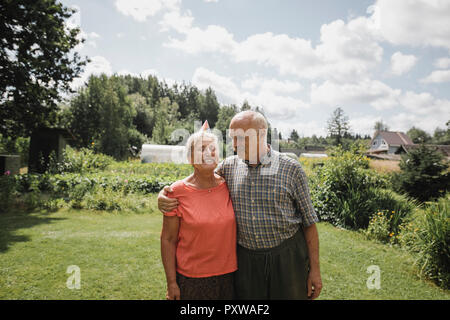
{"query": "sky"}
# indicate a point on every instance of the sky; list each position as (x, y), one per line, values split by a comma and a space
(378, 60)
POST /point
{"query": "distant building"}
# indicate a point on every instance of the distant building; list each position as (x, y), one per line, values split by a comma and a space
(163, 153)
(389, 145)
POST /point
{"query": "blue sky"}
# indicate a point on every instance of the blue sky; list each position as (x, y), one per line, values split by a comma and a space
(298, 60)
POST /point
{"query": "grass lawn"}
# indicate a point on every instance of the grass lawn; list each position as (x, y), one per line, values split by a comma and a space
(119, 258)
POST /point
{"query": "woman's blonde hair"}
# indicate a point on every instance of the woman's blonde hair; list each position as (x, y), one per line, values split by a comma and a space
(196, 138)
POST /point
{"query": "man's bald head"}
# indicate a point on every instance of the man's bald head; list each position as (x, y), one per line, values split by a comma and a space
(249, 119)
(248, 129)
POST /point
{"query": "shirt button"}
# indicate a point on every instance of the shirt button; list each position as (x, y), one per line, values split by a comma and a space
(253, 201)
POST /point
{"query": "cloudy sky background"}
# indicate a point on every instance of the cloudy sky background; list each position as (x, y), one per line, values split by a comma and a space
(298, 60)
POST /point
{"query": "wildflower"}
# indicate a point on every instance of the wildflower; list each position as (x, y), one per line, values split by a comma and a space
(391, 234)
(7, 173)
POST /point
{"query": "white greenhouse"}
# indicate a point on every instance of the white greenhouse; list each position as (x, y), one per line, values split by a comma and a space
(162, 153)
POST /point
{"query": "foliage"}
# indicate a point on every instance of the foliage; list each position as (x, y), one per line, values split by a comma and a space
(342, 189)
(16, 145)
(418, 135)
(394, 209)
(427, 235)
(80, 161)
(424, 174)
(37, 63)
(102, 113)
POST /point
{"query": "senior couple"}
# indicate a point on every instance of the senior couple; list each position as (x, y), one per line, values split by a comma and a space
(243, 228)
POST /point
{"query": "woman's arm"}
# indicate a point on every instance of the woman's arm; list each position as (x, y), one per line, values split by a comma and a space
(169, 237)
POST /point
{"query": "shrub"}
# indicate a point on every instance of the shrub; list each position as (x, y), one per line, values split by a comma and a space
(427, 235)
(342, 190)
(395, 208)
(379, 227)
(423, 174)
(80, 161)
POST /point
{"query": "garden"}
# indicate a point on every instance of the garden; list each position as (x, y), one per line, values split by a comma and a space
(101, 216)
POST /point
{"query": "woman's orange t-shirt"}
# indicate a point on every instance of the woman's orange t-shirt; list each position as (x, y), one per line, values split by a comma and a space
(207, 233)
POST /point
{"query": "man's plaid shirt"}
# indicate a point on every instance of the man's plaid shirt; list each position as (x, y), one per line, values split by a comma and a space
(271, 201)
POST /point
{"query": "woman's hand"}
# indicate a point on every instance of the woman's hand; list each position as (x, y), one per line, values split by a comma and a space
(173, 291)
(166, 204)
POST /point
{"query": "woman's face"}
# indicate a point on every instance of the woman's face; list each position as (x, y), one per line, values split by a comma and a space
(205, 155)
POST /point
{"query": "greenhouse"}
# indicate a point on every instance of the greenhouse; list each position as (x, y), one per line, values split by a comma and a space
(163, 153)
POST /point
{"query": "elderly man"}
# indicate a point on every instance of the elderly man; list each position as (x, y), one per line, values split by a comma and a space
(278, 244)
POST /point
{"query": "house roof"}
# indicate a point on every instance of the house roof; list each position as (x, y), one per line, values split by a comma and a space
(394, 137)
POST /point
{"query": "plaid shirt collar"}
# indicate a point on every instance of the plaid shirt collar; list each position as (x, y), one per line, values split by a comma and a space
(263, 161)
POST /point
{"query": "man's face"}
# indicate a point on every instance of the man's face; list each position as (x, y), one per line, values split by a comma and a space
(246, 140)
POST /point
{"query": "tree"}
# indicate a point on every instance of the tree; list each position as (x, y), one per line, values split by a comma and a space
(166, 116)
(37, 63)
(380, 126)
(102, 113)
(338, 126)
(226, 113)
(442, 136)
(418, 135)
(209, 107)
(245, 106)
(423, 174)
(294, 135)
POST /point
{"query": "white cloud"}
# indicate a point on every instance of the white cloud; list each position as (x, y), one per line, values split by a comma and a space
(442, 63)
(414, 22)
(373, 92)
(274, 85)
(211, 1)
(404, 121)
(223, 86)
(97, 66)
(402, 63)
(346, 50)
(437, 76)
(140, 10)
(274, 105)
(425, 104)
(212, 39)
(364, 124)
(181, 23)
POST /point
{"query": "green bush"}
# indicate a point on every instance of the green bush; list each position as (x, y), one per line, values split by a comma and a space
(424, 174)
(80, 161)
(395, 207)
(427, 235)
(342, 190)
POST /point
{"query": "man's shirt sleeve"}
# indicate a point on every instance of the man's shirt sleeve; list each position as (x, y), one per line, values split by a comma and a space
(302, 197)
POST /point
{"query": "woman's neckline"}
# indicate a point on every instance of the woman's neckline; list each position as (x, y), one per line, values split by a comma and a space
(205, 189)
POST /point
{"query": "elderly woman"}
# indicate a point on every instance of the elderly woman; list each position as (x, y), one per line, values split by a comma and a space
(198, 239)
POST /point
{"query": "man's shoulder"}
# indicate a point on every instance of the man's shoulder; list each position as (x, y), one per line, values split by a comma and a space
(288, 162)
(231, 160)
